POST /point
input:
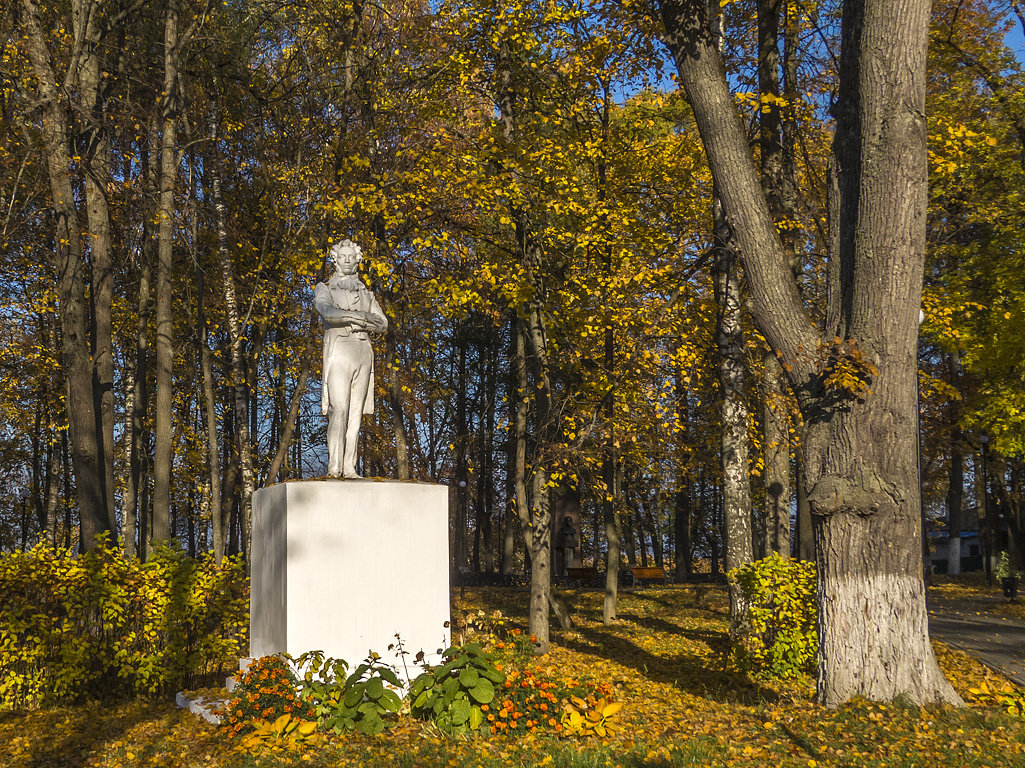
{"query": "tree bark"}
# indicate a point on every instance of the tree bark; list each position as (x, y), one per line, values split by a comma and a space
(683, 498)
(860, 443)
(776, 452)
(240, 401)
(209, 400)
(955, 478)
(395, 398)
(163, 418)
(805, 538)
(729, 339)
(529, 255)
(69, 264)
(96, 160)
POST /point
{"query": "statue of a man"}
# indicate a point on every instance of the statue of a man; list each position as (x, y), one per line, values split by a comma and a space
(350, 314)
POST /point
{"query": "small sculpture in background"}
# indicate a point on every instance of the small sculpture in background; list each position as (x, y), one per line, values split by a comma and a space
(568, 541)
(351, 315)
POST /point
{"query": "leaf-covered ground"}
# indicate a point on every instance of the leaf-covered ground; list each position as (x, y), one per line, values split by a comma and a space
(663, 656)
(973, 594)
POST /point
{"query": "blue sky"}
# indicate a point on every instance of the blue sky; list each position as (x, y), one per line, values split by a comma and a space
(1016, 42)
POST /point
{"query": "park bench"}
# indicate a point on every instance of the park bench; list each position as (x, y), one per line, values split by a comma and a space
(588, 574)
(642, 573)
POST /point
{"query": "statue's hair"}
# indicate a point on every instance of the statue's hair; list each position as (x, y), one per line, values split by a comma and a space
(346, 244)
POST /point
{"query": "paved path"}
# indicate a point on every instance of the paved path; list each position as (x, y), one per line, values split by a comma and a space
(997, 641)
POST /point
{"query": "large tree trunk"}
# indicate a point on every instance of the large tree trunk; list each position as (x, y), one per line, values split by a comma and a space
(612, 480)
(69, 264)
(163, 418)
(776, 172)
(96, 160)
(729, 338)
(532, 328)
(860, 441)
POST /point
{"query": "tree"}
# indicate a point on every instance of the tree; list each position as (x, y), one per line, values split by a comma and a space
(854, 380)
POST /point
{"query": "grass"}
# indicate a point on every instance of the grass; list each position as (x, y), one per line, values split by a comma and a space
(972, 594)
(663, 656)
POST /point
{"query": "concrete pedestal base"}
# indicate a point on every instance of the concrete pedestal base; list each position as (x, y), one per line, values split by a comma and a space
(341, 566)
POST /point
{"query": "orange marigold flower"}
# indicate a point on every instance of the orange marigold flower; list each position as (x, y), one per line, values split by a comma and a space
(533, 638)
(517, 631)
(483, 707)
(551, 721)
(543, 707)
(491, 718)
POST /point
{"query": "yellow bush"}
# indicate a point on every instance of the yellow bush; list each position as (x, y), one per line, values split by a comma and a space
(780, 639)
(101, 624)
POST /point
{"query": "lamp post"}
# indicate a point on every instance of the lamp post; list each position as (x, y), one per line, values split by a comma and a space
(987, 532)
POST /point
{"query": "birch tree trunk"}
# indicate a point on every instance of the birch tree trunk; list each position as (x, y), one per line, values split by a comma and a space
(240, 400)
(729, 339)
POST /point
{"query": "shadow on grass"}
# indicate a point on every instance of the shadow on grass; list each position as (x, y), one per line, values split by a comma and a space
(643, 612)
(689, 674)
(67, 737)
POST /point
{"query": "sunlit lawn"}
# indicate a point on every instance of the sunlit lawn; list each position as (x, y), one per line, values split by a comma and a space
(663, 656)
(973, 593)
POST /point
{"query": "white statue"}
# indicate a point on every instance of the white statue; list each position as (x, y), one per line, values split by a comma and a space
(350, 314)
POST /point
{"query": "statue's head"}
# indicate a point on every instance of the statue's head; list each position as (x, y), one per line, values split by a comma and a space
(346, 256)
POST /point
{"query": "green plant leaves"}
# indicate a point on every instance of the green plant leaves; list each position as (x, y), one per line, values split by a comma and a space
(451, 695)
(483, 692)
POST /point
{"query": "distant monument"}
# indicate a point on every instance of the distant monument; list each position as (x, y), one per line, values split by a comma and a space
(346, 565)
(351, 315)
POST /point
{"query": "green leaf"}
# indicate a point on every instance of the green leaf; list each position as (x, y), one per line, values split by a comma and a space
(374, 688)
(468, 677)
(391, 701)
(460, 711)
(354, 696)
(476, 718)
(371, 726)
(483, 692)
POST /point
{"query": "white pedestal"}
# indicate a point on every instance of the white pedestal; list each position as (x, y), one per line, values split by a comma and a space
(341, 566)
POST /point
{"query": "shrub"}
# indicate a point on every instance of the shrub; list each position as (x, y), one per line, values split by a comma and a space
(101, 624)
(361, 701)
(781, 639)
(453, 694)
